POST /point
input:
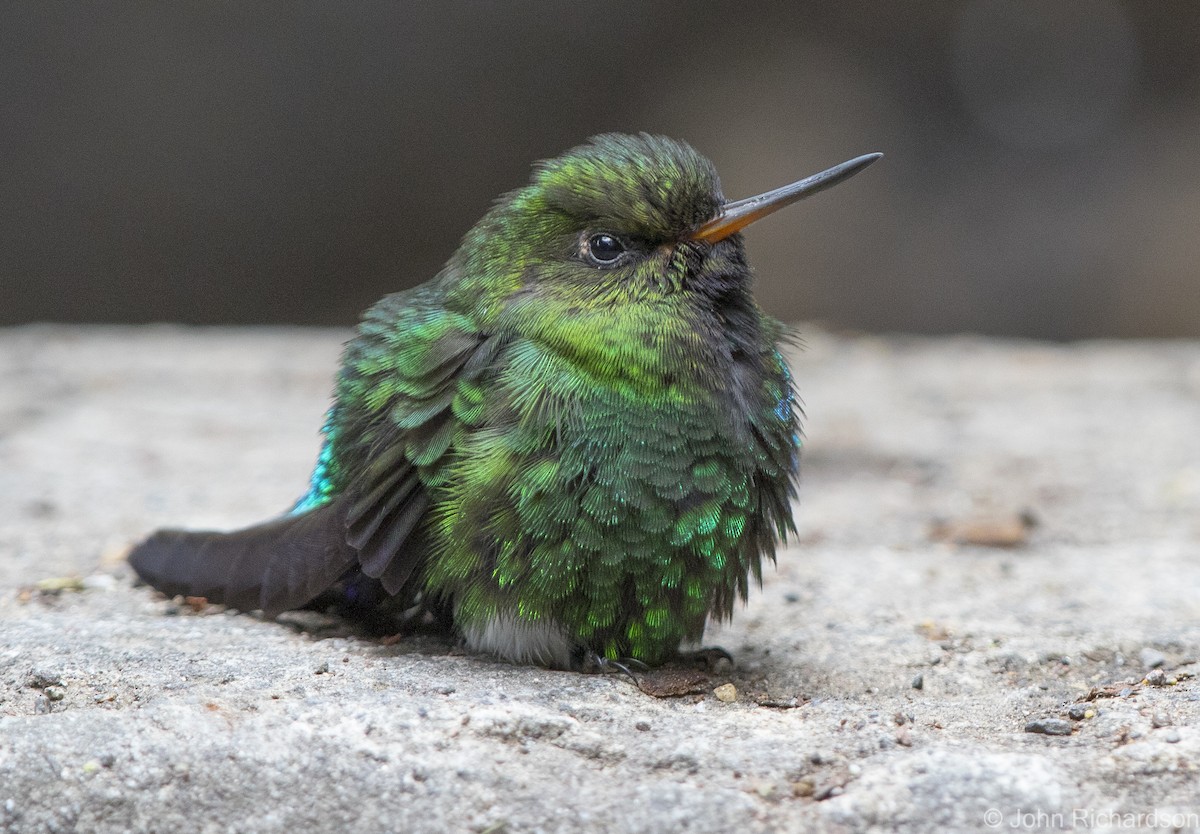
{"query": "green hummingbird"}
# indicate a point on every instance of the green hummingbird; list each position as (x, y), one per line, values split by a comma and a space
(575, 445)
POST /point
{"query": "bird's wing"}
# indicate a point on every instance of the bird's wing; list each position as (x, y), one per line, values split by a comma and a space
(409, 388)
(406, 391)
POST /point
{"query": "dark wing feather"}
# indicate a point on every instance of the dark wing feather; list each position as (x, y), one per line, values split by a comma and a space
(379, 528)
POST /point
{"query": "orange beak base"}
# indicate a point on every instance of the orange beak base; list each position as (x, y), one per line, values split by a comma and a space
(739, 214)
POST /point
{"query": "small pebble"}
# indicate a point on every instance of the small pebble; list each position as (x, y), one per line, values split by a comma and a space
(55, 693)
(1078, 712)
(918, 681)
(828, 792)
(58, 584)
(726, 693)
(1171, 736)
(323, 669)
(196, 604)
(99, 582)
(642, 726)
(1049, 727)
(1156, 677)
(42, 678)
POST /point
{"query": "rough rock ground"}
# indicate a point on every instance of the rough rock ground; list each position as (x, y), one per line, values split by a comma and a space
(885, 677)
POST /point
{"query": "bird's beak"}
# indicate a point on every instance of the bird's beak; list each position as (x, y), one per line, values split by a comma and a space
(739, 214)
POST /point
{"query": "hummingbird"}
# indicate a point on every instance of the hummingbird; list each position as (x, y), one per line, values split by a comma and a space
(575, 445)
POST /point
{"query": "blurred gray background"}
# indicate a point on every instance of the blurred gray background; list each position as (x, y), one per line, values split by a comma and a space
(291, 162)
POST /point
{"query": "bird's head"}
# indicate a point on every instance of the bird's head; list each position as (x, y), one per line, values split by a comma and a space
(626, 218)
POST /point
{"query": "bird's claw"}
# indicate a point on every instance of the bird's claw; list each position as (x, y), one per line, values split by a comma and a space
(602, 664)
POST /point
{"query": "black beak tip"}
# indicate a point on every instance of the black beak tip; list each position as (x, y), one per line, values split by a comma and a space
(868, 159)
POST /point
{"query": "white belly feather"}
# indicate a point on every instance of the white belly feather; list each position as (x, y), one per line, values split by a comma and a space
(541, 642)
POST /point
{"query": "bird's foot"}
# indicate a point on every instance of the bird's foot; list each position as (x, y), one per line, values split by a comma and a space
(593, 662)
(708, 658)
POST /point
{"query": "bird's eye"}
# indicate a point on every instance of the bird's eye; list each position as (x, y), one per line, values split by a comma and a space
(604, 249)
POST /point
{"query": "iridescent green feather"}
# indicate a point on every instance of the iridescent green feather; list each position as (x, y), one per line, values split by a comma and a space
(612, 452)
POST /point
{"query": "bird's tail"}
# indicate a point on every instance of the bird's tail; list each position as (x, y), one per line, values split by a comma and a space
(276, 566)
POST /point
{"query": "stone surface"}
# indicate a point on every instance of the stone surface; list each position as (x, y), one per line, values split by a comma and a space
(123, 711)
